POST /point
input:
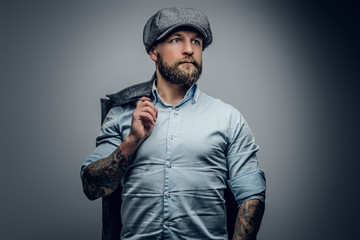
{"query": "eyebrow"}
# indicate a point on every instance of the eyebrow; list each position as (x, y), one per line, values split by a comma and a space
(180, 35)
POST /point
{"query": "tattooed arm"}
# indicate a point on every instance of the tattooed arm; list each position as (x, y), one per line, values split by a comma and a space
(102, 177)
(249, 219)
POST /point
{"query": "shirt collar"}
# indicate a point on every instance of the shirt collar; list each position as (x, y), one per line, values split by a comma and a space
(193, 93)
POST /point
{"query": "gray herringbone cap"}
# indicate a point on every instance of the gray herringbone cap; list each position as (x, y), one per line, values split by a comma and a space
(168, 19)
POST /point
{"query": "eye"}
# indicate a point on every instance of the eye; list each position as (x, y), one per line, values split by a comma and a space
(175, 40)
(197, 42)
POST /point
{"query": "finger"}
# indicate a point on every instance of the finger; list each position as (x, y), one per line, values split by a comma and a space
(149, 110)
(141, 100)
(146, 103)
(139, 103)
(147, 118)
(145, 99)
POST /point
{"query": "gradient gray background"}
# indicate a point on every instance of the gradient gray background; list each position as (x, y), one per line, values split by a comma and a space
(290, 68)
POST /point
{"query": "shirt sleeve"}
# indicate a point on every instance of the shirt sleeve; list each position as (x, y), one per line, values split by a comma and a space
(246, 180)
(107, 141)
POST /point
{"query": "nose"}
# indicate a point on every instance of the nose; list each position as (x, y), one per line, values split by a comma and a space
(188, 48)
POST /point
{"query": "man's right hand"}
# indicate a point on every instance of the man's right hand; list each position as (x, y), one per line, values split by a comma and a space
(143, 121)
(101, 178)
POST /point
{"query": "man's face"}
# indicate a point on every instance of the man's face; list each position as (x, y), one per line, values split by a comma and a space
(178, 57)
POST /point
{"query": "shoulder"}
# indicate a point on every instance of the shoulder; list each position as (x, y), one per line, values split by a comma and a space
(118, 115)
(117, 111)
(117, 104)
(218, 106)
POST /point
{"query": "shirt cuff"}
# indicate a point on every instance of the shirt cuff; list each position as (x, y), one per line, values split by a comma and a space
(249, 185)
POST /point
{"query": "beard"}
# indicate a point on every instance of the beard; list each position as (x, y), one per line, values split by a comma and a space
(185, 75)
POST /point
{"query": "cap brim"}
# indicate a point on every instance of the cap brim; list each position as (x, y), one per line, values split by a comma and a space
(168, 31)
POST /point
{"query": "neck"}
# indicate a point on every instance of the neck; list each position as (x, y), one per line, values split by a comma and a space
(170, 93)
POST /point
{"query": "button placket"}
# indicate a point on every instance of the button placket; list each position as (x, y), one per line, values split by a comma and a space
(172, 132)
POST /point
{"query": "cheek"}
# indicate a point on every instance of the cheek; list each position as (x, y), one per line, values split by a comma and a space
(198, 58)
(171, 57)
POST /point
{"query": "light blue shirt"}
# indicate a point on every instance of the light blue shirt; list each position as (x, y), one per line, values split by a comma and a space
(174, 188)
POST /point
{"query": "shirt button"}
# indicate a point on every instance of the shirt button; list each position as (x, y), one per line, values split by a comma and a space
(171, 137)
(167, 224)
(169, 165)
(168, 194)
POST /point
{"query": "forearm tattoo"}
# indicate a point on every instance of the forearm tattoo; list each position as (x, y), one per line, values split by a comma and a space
(248, 220)
(102, 177)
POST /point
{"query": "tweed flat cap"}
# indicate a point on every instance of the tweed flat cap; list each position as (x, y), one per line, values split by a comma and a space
(168, 19)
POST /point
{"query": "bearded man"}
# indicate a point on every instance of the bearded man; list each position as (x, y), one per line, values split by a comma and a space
(175, 150)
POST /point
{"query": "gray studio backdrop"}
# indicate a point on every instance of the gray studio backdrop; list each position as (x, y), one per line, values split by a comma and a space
(286, 65)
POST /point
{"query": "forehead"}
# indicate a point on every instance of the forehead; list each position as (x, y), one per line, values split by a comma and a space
(185, 31)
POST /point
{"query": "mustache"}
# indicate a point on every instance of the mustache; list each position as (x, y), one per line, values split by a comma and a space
(187, 60)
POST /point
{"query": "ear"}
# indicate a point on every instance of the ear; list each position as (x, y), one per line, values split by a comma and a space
(152, 54)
